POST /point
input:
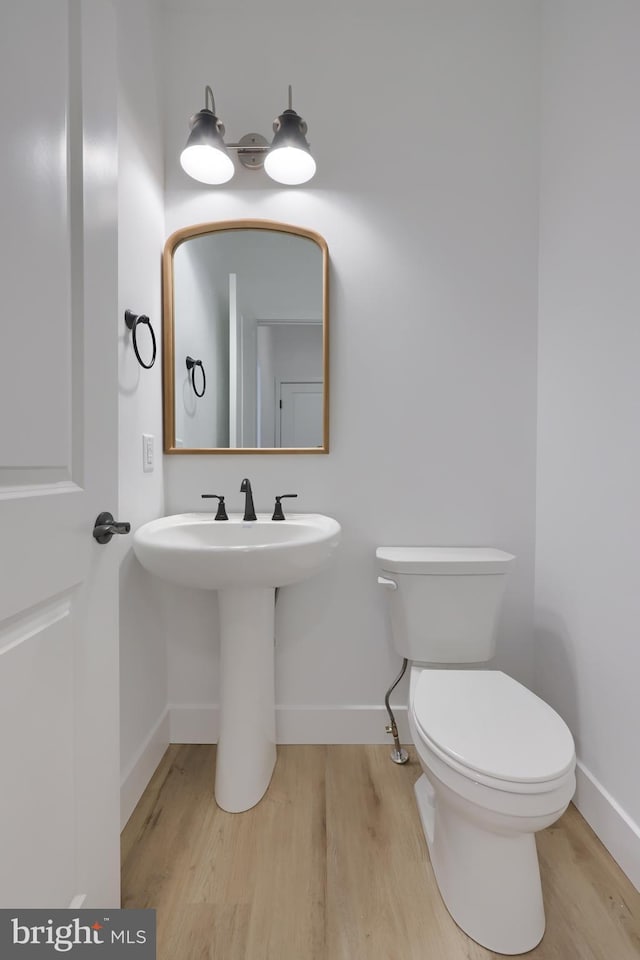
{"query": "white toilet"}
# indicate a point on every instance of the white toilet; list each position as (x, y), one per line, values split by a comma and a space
(498, 762)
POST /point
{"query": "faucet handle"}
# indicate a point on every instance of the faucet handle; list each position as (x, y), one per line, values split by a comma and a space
(222, 512)
(277, 510)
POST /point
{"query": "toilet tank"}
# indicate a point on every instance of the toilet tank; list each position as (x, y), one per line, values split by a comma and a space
(444, 601)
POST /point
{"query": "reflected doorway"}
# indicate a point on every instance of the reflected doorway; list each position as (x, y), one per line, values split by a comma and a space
(290, 386)
(300, 420)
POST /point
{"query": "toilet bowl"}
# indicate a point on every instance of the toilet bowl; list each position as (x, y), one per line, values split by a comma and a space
(482, 797)
(498, 763)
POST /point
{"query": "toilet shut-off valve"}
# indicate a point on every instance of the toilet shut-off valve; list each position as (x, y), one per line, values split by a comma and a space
(398, 754)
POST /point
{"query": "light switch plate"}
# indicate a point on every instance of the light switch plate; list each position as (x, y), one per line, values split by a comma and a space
(147, 452)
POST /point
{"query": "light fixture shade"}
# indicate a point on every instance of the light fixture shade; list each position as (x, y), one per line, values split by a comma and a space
(289, 159)
(205, 157)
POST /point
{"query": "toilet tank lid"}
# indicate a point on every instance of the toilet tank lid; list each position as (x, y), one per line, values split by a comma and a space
(443, 560)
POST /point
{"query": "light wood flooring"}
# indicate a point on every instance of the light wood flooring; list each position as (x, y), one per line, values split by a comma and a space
(332, 865)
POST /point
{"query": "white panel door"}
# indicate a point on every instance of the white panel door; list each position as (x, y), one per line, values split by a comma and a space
(58, 454)
(300, 414)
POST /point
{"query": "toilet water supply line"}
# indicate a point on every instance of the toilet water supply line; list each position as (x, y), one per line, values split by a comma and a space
(398, 754)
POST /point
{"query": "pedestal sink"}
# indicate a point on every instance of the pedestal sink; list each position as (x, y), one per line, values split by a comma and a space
(244, 562)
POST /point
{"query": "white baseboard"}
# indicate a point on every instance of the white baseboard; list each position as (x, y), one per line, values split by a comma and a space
(143, 766)
(295, 724)
(344, 724)
(607, 819)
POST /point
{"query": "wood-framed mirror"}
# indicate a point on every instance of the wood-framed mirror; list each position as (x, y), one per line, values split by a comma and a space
(246, 339)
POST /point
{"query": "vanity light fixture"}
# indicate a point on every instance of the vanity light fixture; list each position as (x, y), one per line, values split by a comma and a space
(286, 160)
(205, 157)
(289, 159)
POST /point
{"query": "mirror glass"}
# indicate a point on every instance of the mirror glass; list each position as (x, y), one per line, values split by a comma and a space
(245, 339)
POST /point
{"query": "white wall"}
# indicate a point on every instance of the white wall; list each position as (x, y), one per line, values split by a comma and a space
(144, 726)
(587, 654)
(297, 350)
(423, 119)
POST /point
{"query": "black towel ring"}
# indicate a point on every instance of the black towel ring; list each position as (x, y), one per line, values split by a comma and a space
(191, 365)
(132, 320)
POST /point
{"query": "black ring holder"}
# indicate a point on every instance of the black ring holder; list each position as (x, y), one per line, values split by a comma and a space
(132, 321)
(191, 366)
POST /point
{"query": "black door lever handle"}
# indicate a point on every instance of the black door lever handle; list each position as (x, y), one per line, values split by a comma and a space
(105, 527)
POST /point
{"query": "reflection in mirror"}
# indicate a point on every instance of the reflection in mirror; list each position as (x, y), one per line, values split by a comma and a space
(249, 299)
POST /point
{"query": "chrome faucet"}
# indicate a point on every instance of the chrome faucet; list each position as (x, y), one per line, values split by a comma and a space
(249, 510)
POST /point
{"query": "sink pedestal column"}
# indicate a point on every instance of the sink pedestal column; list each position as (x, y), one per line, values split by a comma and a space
(246, 752)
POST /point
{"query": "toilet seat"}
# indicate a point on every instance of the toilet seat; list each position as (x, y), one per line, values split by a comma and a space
(491, 729)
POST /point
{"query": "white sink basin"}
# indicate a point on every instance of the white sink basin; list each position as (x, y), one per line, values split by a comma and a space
(244, 562)
(195, 550)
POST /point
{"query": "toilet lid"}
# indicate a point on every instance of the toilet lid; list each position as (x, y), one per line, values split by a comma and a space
(490, 723)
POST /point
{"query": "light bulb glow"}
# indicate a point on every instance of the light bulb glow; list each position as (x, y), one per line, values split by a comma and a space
(206, 164)
(289, 165)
